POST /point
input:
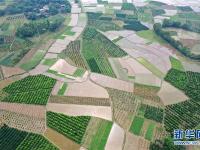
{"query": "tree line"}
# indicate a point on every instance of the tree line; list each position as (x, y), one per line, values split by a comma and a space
(176, 24)
(174, 43)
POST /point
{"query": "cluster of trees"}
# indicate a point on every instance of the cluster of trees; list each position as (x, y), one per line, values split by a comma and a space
(176, 24)
(167, 144)
(39, 27)
(34, 9)
(175, 43)
(134, 25)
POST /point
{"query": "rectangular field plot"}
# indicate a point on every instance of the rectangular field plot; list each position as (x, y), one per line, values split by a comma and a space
(34, 60)
(62, 89)
(96, 50)
(37, 141)
(151, 67)
(11, 138)
(30, 90)
(137, 125)
(150, 131)
(71, 127)
(176, 64)
(100, 137)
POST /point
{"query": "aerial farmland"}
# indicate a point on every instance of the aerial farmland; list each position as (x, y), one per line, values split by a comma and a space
(99, 74)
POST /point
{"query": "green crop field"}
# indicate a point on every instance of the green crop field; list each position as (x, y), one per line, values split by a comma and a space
(151, 67)
(100, 137)
(36, 141)
(151, 36)
(136, 125)
(71, 127)
(79, 72)
(62, 89)
(49, 62)
(35, 60)
(96, 49)
(30, 90)
(14, 139)
(176, 64)
(150, 130)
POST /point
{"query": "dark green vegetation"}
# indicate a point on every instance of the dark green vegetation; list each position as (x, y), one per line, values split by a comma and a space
(99, 139)
(153, 113)
(134, 25)
(188, 81)
(186, 114)
(166, 144)
(36, 141)
(177, 24)
(101, 22)
(137, 125)
(184, 8)
(174, 43)
(71, 127)
(12, 139)
(128, 6)
(73, 53)
(96, 50)
(34, 9)
(17, 50)
(176, 64)
(30, 90)
(39, 27)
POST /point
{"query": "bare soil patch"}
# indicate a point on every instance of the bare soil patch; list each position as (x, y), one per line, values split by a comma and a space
(61, 141)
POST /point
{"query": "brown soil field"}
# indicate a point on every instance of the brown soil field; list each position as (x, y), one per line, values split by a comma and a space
(109, 82)
(135, 142)
(25, 109)
(61, 141)
(80, 100)
(23, 122)
(103, 112)
(6, 82)
(171, 95)
(86, 89)
(115, 138)
(11, 71)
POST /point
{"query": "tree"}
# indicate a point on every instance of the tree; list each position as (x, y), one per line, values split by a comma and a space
(167, 144)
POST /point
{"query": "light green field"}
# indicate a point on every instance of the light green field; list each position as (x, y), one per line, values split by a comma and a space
(176, 64)
(100, 137)
(79, 72)
(151, 67)
(151, 36)
(63, 89)
(136, 125)
(150, 130)
(34, 60)
(49, 62)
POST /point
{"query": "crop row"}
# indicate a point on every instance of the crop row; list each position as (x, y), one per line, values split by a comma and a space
(185, 115)
(188, 81)
(30, 90)
(153, 113)
(73, 53)
(71, 127)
